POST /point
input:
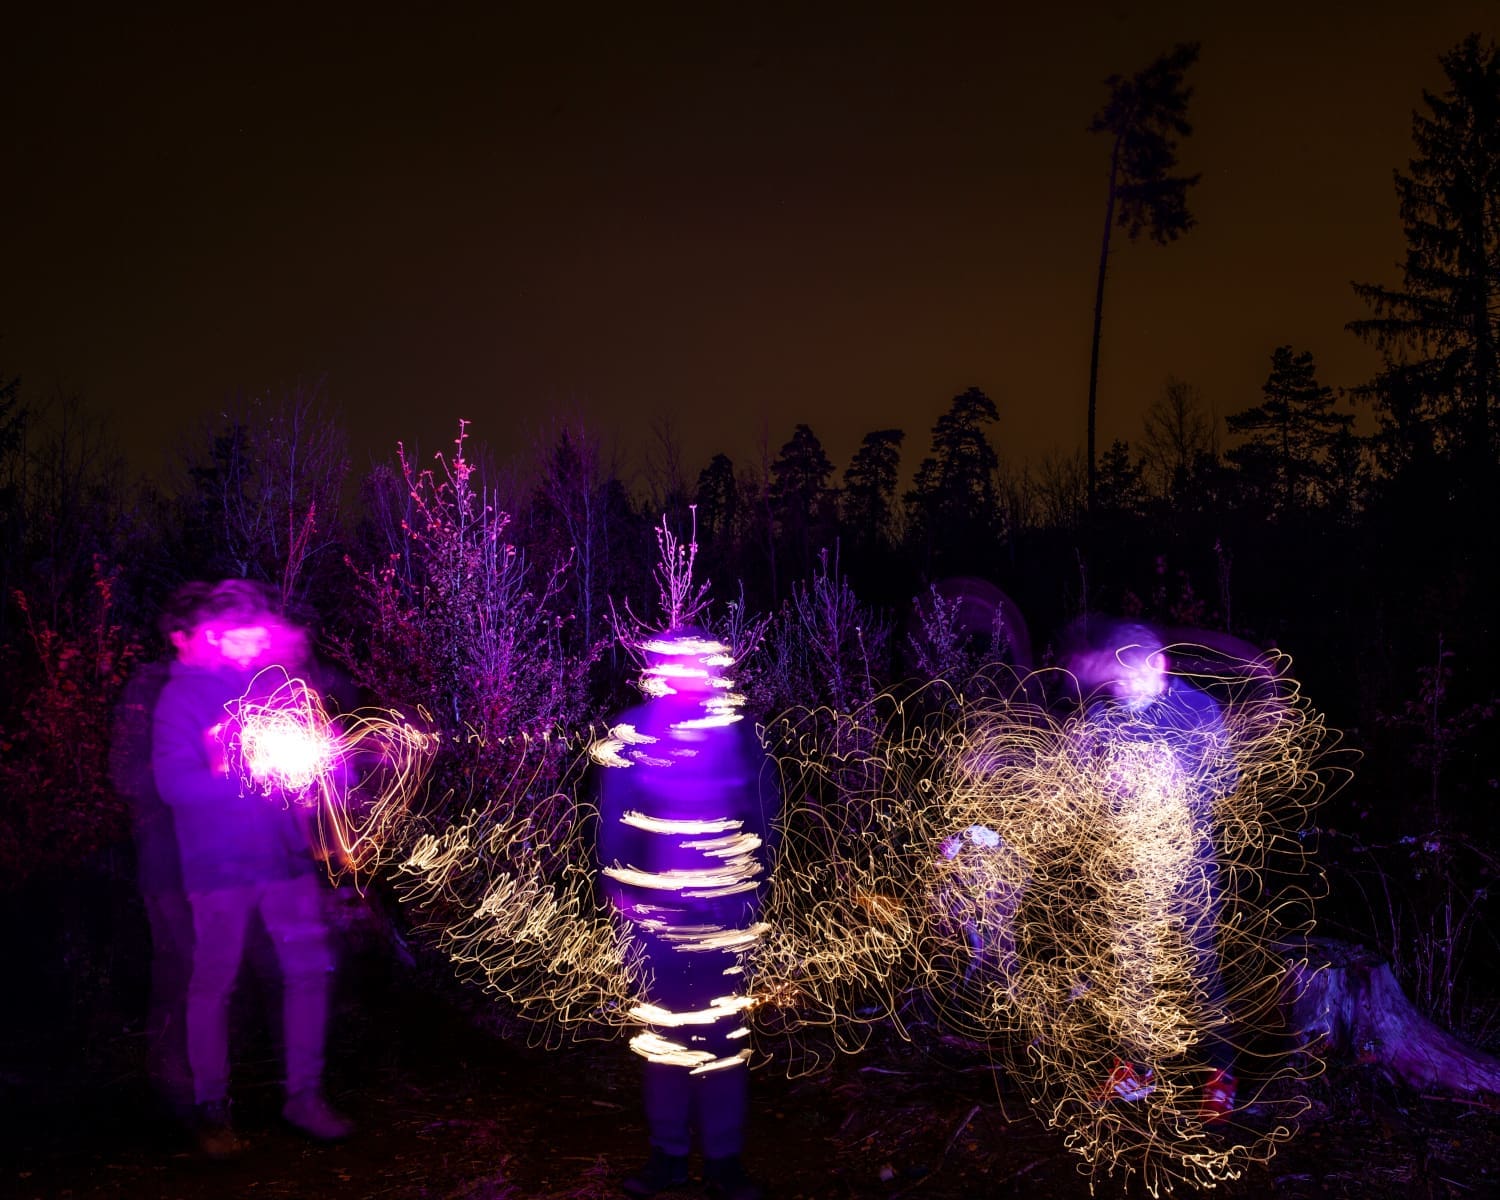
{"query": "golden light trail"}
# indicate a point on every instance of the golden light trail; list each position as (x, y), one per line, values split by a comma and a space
(1037, 877)
(359, 771)
(1045, 883)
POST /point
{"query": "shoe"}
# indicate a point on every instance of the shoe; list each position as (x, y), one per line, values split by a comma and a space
(725, 1179)
(216, 1137)
(310, 1113)
(661, 1172)
(1124, 1084)
(1218, 1097)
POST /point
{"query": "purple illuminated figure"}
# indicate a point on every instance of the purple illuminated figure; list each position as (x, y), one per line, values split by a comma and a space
(685, 813)
(241, 852)
(1163, 756)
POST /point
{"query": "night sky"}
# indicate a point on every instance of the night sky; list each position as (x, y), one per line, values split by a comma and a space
(733, 218)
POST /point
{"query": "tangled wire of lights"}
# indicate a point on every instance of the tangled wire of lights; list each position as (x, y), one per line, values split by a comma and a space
(507, 892)
(1070, 885)
(1073, 890)
(512, 899)
(846, 915)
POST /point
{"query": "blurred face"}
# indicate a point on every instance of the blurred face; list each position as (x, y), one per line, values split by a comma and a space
(242, 646)
(685, 665)
(194, 649)
(240, 643)
(1138, 676)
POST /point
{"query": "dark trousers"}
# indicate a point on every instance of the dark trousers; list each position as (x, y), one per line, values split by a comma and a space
(709, 1100)
(292, 910)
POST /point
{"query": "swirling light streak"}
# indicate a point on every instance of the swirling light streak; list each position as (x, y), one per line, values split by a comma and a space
(692, 938)
(702, 885)
(1038, 879)
(718, 1008)
(510, 897)
(360, 771)
(286, 742)
(669, 825)
(1045, 882)
(655, 1047)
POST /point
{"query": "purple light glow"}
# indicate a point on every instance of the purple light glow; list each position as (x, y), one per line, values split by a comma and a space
(681, 848)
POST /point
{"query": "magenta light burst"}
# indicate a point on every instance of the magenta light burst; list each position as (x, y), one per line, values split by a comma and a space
(359, 772)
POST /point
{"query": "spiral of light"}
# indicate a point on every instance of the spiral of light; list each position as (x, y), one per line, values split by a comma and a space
(359, 771)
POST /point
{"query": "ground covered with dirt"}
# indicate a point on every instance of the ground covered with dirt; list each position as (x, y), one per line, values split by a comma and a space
(448, 1110)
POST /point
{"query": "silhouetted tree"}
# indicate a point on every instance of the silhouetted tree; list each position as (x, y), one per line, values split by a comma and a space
(869, 506)
(69, 507)
(802, 504)
(759, 548)
(1144, 117)
(718, 500)
(1439, 329)
(953, 502)
(12, 472)
(12, 415)
(66, 643)
(1349, 472)
(385, 510)
(477, 635)
(823, 647)
(1178, 441)
(1061, 490)
(722, 517)
(1121, 489)
(1290, 435)
(667, 490)
(569, 516)
(263, 503)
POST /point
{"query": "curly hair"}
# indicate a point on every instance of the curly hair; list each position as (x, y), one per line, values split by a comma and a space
(199, 601)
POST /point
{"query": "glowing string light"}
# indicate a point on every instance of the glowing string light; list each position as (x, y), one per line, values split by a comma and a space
(1040, 880)
(360, 771)
(1045, 882)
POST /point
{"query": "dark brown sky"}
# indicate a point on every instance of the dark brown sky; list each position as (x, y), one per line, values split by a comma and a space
(736, 216)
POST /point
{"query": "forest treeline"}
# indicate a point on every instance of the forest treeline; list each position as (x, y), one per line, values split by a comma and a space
(490, 592)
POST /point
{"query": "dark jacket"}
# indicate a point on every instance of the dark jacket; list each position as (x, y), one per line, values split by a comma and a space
(227, 835)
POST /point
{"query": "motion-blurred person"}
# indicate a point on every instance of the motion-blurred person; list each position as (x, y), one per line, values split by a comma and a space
(1163, 756)
(158, 868)
(963, 623)
(683, 855)
(242, 852)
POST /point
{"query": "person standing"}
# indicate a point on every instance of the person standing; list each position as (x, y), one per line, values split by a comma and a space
(241, 853)
(1163, 756)
(686, 818)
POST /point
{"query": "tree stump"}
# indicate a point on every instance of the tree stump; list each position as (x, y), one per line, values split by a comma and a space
(1346, 1000)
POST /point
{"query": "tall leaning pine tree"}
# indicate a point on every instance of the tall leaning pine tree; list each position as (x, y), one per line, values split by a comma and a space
(1145, 116)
